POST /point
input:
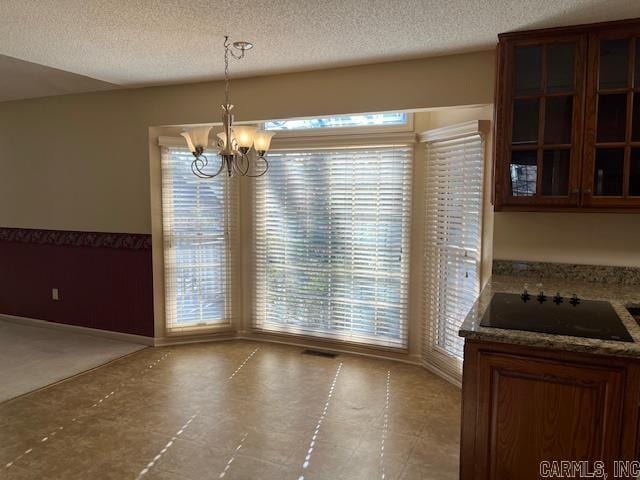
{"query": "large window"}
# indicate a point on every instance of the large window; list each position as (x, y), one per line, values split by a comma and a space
(198, 230)
(452, 242)
(331, 244)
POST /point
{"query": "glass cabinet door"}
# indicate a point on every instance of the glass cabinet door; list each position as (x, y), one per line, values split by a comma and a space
(542, 144)
(612, 173)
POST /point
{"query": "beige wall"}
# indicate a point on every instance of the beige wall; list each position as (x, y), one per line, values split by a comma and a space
(584, 238)
(450, 116)
(80, 162)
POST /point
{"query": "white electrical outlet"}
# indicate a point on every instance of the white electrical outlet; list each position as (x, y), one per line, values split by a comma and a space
(54, 294)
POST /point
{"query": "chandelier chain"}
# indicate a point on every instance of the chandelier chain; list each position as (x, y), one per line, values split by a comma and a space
(226, 70)
(228, 51)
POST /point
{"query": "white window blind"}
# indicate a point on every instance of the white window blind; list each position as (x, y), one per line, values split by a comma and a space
(199, 224)
(331, 244)
(452, 245)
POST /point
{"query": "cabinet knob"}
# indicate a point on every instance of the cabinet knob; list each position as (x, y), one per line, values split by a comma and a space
(575, 191)
(588, 191)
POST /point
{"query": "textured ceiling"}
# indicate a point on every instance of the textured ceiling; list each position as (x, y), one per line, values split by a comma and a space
(150, 42)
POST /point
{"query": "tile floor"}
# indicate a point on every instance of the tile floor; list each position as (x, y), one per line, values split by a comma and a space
(236, 410)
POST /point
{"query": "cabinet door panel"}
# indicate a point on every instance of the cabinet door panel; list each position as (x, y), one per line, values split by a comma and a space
(612, 118)
(634, 177)
(614, 64)
(558, 120)
(543, 94)
(555, 172)
(609, 171)
(612, 134)
(525, 121)
(531, 410)
(561, 67)
(637, 64)
(635, 118)
(524, 173)
(527, 70)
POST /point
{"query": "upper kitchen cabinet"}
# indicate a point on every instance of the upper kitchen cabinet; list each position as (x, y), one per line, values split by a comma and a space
(611, 175)
(566, 101)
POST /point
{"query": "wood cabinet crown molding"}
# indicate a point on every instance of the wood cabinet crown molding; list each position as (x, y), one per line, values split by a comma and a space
(569, 29)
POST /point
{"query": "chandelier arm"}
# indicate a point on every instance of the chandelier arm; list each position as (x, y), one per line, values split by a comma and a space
(201, 162)
(266, 167)
(248, 159)
(234, 168)
(239, 168)
(197, 173)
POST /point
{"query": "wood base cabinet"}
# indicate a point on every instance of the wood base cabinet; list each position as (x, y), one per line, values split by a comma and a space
(523, 406)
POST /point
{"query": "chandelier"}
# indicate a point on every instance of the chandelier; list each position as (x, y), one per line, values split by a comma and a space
(240, 147)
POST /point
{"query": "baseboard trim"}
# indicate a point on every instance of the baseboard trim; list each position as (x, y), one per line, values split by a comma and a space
(95, 332)
(444, 375)
(323, 346)
(187, 339)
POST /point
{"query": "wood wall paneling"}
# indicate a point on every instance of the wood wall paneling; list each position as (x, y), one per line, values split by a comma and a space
(104, 279)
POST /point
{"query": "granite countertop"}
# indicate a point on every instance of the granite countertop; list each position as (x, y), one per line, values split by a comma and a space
(620, 296)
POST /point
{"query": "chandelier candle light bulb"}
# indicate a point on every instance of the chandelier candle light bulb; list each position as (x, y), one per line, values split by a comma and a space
(235, 142)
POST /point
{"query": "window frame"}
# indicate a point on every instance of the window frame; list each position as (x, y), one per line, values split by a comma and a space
(342, 131)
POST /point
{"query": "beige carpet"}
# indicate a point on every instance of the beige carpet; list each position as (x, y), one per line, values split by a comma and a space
(33, 357)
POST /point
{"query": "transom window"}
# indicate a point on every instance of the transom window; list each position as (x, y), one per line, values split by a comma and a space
(340, 121)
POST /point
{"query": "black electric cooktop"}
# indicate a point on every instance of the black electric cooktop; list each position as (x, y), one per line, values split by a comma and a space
(576, 318)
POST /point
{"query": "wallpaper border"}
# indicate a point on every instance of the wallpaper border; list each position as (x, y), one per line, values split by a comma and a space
(123, 241)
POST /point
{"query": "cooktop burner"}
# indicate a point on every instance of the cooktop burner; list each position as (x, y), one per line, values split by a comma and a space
(573, 317)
